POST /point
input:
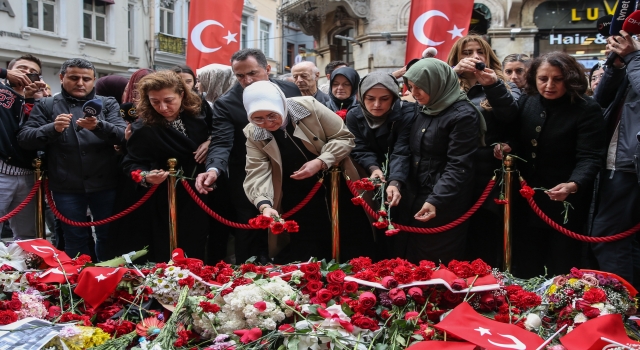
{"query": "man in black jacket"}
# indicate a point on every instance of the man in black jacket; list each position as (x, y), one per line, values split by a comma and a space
(81, 158)
(618, 189)
(16, 172)
(227, 150)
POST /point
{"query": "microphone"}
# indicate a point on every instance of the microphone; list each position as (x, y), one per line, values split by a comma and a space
(429, 52)
(91, 108)
(128, 112)
(604, 25)
(623, 10)
(632, 23)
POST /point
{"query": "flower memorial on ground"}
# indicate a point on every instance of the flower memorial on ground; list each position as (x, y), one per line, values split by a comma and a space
(361, 304)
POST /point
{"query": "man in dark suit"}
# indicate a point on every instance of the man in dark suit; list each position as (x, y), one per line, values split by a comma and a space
(227, 150)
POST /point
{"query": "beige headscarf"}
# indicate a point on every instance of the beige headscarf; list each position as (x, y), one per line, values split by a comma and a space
(215, 79)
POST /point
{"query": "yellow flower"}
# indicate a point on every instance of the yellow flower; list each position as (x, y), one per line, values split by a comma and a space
(552, 289)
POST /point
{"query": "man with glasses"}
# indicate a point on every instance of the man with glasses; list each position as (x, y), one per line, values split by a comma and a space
(16, 172)
(227, 150)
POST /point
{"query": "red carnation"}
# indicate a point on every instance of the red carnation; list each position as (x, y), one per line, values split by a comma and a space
(188, 281)
(7, 317)
(357, 200)
(480, 268)
(136, 175)
(261, 222)
(422, 273)
(500, 201)
(277, 227)
(381, 224)
(527, 192)
(393, 232)
(382, 213)
(291, 226)
(595, 295)
(342, 114)
(209, 307)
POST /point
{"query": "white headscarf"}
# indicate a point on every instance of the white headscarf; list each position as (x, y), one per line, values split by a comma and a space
(264, 96)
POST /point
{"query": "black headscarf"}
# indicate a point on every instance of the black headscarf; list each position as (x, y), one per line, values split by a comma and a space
(111, 86)
(335, 103)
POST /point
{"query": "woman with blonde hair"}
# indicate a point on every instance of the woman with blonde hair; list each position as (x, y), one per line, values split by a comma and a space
(170, 125)
(480, 76)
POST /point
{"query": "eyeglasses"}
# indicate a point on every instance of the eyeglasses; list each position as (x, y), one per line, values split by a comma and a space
(596, 77)
(270, 117)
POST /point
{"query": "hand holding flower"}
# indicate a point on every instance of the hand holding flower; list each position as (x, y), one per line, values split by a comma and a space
(156, 177)
(562, 191)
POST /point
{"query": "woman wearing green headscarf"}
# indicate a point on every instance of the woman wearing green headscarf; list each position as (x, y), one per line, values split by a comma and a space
(443, 140)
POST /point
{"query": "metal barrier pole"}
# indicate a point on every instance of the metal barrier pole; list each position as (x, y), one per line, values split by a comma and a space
(40, 231)
(173, 216)
(335, 221)
(508, 179)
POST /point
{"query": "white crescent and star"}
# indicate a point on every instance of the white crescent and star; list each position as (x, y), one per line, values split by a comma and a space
(418, 28)
(196, 36)
(516, 345)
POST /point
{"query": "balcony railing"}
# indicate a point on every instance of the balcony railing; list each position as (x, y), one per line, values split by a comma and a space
(171, 44)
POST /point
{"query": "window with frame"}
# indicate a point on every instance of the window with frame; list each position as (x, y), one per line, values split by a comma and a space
(167, 11)
(244, 27)
(94, 20)
(265, 29)
(41, 14)
(130, 15)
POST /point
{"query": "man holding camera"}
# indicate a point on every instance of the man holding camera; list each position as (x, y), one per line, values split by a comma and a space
(16, 172)
(81, 159)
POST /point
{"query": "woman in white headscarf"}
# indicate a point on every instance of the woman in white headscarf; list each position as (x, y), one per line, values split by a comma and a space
(289, 143)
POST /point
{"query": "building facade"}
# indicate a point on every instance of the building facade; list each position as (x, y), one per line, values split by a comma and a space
(379, 28)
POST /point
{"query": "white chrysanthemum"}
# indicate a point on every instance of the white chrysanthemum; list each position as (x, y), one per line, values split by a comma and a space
(580, 318)
(13, 256)
(171, 271)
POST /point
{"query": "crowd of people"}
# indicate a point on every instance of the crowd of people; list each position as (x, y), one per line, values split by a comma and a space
(252, 145)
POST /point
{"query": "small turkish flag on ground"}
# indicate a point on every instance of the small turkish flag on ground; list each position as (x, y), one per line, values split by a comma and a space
(44, 249)
(442, 345)
(587, 335)
(438, 24)
(465, 323)
(57, 274)
(214, 31)
(95, 284)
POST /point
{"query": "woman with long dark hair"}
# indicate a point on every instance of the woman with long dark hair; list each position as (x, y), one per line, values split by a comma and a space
(559, 134)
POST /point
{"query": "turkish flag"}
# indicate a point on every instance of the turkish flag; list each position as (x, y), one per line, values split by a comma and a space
(465, 323)
(587, 335)
(95, 284)
(214, 31)
(438, 24)
(442, 345)
(57, 274)
(42, 248)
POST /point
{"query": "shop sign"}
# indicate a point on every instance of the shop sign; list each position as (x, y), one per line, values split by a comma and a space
(571, 15)
(573, 39)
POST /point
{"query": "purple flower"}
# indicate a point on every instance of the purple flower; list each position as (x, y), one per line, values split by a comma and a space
(385, 300)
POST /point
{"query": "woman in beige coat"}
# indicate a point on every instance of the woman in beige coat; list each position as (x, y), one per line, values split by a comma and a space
(290, 143)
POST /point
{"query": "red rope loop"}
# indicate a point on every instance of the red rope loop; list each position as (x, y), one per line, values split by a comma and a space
(431, 230)
(575, 235)
(24, 203)
(230, 223)
(55, 211)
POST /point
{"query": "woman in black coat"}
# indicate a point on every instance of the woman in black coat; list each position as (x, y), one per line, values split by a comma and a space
(381, 126)
(560, 137)
(170, 125)
(443, 139)
(342, 89)
(496, 98)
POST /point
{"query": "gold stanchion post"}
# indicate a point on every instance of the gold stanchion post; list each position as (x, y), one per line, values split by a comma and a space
(335, 221)
(508, 179)
(173, 216)
(37, 164)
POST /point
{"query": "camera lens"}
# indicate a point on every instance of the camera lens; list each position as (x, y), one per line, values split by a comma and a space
(480, 66)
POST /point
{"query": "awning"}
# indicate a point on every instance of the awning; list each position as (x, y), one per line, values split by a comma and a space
(109, 2)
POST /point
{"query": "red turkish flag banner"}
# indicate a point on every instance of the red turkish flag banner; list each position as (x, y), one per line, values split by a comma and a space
(95, 284)
(214, 31)
(438, 24)
(587, 335)
(442, 345)
(44, 249)
(465, 323)
(57, 274)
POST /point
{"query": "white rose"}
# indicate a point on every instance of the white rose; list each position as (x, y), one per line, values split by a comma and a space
(533, 322)
(580, 318)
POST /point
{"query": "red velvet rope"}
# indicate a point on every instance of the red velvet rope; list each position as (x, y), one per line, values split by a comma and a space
(55, 211)
(431, 230)
(216, 216)
(572, 234)
(24, 203)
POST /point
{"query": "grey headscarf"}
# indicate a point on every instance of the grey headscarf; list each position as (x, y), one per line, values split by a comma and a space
(370, 81)
(216, 79)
